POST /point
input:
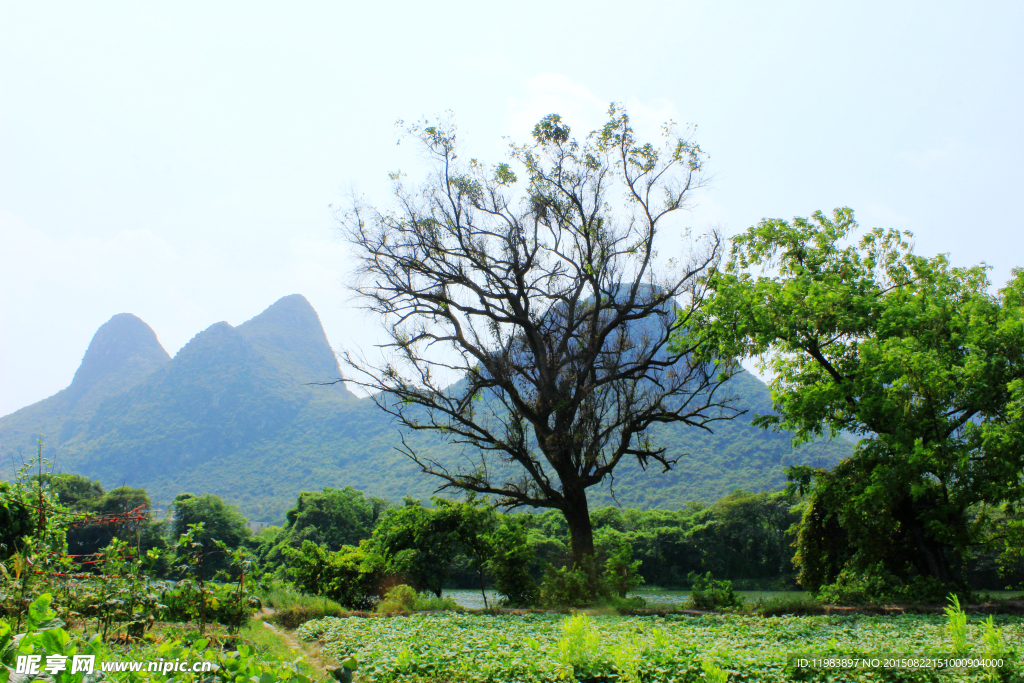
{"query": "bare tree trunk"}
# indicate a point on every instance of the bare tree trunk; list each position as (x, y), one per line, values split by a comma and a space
(483, 592)
(581, 533)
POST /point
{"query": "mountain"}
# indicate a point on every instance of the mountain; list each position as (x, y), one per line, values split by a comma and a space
(122, 353)
(236, 413)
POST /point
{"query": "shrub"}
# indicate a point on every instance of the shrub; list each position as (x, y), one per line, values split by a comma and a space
(509, 565)
(425, 601)
(709, 593)
(626, 605)
(222, 605)
(956, 625)
(772, 607)
(876, 585)
(349, 576)
(622, 572)
(571, 588)
(401, 598)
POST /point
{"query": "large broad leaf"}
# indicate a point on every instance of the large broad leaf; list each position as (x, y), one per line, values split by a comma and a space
(55, 641)
(48, 624)
(39, 611)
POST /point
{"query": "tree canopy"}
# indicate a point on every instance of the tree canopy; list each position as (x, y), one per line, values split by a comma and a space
(335, 517)
(910, 354)
(221, 522)
(540, 298)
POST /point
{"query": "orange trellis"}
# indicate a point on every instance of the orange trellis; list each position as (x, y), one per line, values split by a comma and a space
(134, 516)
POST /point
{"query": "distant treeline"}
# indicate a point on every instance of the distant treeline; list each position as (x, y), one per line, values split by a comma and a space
(745, 537)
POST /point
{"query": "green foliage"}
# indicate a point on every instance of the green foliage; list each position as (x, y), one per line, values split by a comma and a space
(418, 545)
(336, 516)
(17, 521)
(578, 646)
(621, 573)
(875, 584)
(713, 674)
(293, 608)
(224, 605)
(219, 521)
(89, 537)
(479, 648)
(709, 593)
(199, 596)
(909, 353)
(626, 659)
(779, 605)
(45, 636)
(570, 588)
(956, 626)
(350, 576)
(73, 490)
(426, 601)
(400, 598)
(511, 556)
(33, 522)
(404, 599)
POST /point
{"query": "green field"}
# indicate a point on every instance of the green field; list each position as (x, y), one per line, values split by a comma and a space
(547, 647)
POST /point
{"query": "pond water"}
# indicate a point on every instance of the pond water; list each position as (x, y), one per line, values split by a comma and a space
(655, 597)
(658, 597)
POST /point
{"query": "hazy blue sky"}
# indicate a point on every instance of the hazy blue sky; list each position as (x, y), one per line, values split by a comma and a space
(177, 160)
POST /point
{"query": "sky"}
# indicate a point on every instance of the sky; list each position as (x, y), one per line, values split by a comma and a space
(179, 161)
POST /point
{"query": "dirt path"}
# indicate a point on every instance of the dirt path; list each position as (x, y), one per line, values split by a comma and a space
(313, 655)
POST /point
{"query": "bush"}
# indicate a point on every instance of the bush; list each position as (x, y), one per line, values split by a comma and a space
(426, 601)
(579, 644)
(627, 605)
(223, 606)
(773, 607)
(877, 585)
(295, 608)
(400, 599)
(509, 565)
(349, 576)
(622, 572)
(570, 588)
(708, 593)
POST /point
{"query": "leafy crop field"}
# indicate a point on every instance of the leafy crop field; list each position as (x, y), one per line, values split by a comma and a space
(549, 647)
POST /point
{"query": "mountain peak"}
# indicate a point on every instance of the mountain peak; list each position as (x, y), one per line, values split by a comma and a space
(122, 345)
(289, 334)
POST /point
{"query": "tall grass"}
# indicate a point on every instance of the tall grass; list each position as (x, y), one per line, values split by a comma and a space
(295, 608)
(956, 625)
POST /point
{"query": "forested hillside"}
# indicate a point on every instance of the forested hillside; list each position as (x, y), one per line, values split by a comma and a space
(235, 414)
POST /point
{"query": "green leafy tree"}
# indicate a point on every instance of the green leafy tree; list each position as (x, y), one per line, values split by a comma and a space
(913, 356)
(91, 534)
(418, 544)
(351, 576)
(512, 555)
(339, 516)
(474, 524)
(622, 572)
(220, 521)
(544, 292)
(747, 535)
(73, 490)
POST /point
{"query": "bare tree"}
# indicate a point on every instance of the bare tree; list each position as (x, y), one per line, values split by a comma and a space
(542, 299)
